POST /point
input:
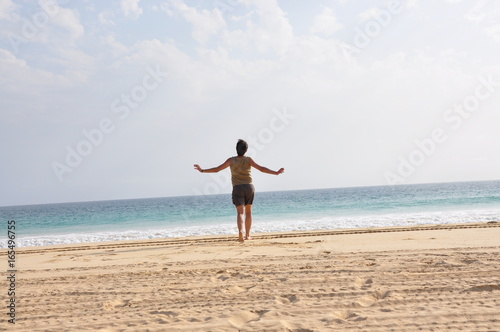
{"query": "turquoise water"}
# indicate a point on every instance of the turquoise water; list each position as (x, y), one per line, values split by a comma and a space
(273, 211)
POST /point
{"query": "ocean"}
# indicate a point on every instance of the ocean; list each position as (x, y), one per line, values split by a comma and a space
(319, 209)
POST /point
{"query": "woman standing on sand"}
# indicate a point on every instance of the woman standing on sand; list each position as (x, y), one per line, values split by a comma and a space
(243, 189)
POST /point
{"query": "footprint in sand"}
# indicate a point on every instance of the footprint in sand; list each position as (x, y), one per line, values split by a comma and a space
(55, 260)
(288, 326)
(244, 317)
(286, 299)
(164, 313)
(292, 327)
(483, 288)
(347, 315)
(370, 299)
(363, 283)
(116, 304)
(237, 289)
(222, 275)
(219, 278)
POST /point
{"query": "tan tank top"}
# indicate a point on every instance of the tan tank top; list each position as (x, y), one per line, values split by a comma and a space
(241, 171)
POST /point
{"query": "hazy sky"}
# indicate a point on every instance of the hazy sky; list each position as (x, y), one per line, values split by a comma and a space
(118, 99)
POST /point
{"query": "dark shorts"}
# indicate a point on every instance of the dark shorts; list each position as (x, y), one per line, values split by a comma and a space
(243, 194)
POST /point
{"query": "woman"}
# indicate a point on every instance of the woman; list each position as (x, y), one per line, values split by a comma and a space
(243, 189)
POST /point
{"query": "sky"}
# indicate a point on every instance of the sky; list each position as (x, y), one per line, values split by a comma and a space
(103, 100)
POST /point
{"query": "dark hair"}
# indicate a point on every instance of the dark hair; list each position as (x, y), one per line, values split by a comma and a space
(241, 147)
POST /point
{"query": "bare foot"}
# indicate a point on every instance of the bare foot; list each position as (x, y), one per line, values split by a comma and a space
(248, 237)
(240, 237)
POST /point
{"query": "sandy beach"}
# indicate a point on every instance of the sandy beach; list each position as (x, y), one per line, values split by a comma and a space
(428, 278)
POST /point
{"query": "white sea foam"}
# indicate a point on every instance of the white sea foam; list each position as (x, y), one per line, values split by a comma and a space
(304, 224)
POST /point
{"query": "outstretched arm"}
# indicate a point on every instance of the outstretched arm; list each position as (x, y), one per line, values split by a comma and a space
(265, 169)
(225, 165)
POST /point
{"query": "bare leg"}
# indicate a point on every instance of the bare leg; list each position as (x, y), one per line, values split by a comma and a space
(239, 221)
(248, 221)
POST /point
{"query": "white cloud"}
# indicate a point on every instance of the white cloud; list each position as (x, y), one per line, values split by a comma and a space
(6, 9)
(106, 18)
(50, 25)
(131, 8)
(325, 23)
(235, 39)
(205, 77)
(7, 59)
(76, 63)
(166, 54)
(32, 78)
(493, 31)
(25, 83)
(411, 4)
(116, 47)
(266, 27)
(486, 15)
(167, 8)
(69, 21)
(317, 51)
(476, 13)
(369, 14)
(205, 23)
(271, 31)
(59, 36)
